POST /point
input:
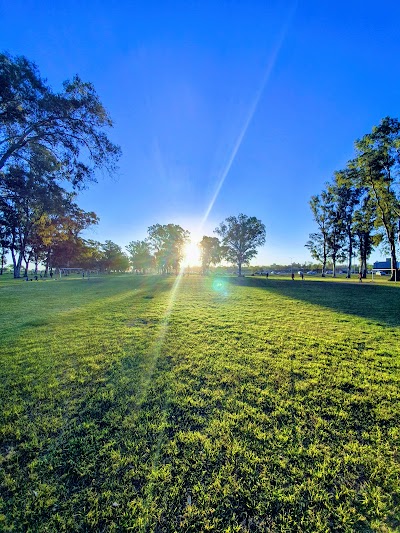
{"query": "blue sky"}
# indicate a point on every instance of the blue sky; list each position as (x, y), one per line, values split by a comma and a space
(259, 102)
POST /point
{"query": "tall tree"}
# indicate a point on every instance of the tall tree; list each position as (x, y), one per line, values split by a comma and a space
(346, 197)
(377, 160)
(28, 191)
(140, 255)
(60, 236)
(168, 243)
(318, 242)
(5, 243)
(211, 252)
(240, 237)
(113, 258)
(318, 248)
(69, 125)
(364, 224)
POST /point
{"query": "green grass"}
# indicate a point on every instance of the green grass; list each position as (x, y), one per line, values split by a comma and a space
(244, 405)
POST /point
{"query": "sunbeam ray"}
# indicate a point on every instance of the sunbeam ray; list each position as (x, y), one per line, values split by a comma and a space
(252, 110)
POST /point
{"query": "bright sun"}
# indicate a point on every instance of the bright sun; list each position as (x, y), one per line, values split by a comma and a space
(191, 254)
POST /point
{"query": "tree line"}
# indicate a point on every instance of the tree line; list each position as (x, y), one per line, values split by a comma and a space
(51, 144)
(359, 209)
(164, 247)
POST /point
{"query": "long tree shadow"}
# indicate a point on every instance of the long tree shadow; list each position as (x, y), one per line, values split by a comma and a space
(366, 300)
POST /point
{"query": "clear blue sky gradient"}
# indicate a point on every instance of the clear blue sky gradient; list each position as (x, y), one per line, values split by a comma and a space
(259, 102)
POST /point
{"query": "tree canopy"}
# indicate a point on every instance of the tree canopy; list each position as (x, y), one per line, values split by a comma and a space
(211, 252)
(360, 208)
(240, 237)
(167, 242)
(69, 125)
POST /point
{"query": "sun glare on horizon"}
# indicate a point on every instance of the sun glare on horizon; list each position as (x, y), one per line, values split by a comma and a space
(191, 254)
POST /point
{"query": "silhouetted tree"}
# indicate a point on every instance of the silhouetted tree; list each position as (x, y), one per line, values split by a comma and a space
(240, 237)
(70, 125)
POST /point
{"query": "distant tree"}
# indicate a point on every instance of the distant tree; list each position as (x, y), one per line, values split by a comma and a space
(346, 198)
(240, 237)
(317, 247)
(366, 237)
(5, 243)
(113, 258)
(377, 161)
(62, 244)
(168, 243)
(70, 126)
(27, 192)
(318, 242)
(336, 237)
(140, 255)
(211, 252)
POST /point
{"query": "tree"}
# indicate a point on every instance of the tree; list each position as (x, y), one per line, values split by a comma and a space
(211, 252)
(318, 243)
(113, 258)
(28, 191)
(69, 125)
(346, 197)
(377, 161)
(240, 237)
(140, 255)
(5, 243)
(62, 245)
(364, 223)
(317, 247)
(168, 243)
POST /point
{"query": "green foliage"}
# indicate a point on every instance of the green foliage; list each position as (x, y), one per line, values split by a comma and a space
(377, 159)
(167, 242)
(113, 258)
(362, 197)
(45, 138)
(69, 126)
(139, 255)
(240, 238)
(247, 405)
(211, 252)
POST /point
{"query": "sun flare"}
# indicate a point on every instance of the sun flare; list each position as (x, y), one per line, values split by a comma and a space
(191, 254)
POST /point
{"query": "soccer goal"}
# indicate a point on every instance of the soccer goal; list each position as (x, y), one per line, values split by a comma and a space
(384, 273)
(75, 272)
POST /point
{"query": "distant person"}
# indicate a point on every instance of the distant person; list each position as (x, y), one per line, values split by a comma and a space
(51, 274)
(302, 274)
(292, 276)
(266, 275)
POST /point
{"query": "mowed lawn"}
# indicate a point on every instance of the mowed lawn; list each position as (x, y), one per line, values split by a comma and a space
(133, 403)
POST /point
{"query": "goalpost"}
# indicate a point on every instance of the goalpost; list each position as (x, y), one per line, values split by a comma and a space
(66, 271)
(386, 273)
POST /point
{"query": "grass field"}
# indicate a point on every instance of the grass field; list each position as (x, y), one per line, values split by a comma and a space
(222, 404)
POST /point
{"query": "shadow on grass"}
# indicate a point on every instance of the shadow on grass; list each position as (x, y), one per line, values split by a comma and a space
(366, 300)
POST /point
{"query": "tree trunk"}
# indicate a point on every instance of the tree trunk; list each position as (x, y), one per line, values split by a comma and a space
(395, 274)
(334, 269)
(323, 268)
(363, 268)
(240, 269)
(350, 256)
(17, 265)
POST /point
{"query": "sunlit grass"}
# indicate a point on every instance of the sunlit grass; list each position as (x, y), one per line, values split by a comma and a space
(210, 405)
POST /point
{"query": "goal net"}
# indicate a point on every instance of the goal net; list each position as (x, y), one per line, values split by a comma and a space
(384, 273)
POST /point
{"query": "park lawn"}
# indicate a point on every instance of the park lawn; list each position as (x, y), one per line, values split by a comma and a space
(135, 403)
